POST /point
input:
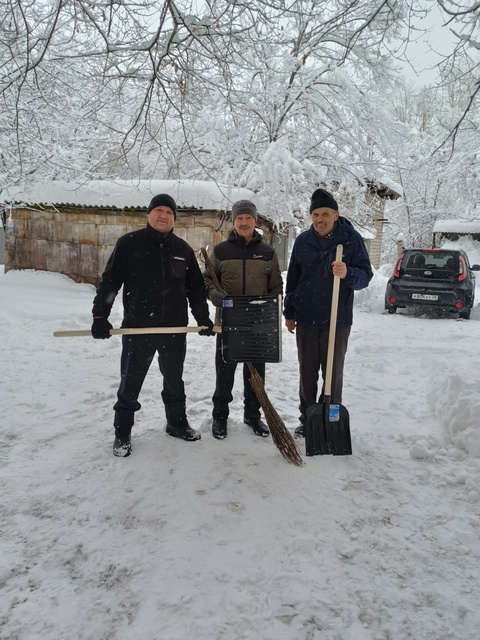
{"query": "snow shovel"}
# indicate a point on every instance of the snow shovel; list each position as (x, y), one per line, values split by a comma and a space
(328, 425)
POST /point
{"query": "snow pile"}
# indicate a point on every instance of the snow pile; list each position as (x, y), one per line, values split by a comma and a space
(455, 401)
(372, 298)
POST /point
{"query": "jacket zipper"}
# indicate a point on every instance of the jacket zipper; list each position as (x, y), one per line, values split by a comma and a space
(244, 270)
(162, 271)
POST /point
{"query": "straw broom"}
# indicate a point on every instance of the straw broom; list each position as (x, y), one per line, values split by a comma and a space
(281, 436)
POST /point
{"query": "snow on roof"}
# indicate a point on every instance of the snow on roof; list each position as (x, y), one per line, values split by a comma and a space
(198, 194)
(385, 183)
(394, 186)
(366, 234)
(457, 226)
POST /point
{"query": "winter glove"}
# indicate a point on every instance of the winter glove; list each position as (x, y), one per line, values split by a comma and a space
(101, 328)
(217, 297)
(209, 329)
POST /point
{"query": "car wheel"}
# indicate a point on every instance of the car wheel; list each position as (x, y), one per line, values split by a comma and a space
(465, 314)
(392, 309)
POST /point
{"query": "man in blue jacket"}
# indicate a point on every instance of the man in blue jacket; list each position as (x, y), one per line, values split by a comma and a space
(308, 297)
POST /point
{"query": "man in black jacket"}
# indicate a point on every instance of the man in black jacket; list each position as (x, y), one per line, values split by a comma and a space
(159, 274)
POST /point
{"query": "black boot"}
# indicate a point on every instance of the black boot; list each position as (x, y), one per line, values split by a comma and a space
(258, 426)
(122, 447)
(219, 428)
(300, 431)
(177, 423)
(184, 432)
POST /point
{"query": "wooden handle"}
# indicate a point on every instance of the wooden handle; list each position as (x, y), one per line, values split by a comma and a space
(134, 331)
(211, 272)
(333, 326)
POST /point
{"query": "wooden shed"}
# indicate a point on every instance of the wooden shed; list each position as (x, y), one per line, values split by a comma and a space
(72, 228)
(454, 230)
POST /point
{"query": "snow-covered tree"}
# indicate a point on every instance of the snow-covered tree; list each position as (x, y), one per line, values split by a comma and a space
(463, 63)
(439, 181)
(134, 83)
(272, 96)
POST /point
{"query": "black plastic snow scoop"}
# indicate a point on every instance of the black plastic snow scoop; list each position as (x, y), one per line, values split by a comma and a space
(328, 425)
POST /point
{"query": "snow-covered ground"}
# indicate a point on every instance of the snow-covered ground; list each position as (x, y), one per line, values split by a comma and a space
(224, 540)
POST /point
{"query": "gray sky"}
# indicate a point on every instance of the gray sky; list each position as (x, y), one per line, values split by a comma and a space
(428, 48)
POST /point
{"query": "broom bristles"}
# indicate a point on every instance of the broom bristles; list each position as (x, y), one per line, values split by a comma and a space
(281, 436)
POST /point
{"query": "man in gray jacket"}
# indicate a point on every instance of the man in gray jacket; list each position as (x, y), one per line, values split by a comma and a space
(243, 265)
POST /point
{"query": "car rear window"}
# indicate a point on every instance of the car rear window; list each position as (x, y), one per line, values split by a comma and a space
(430, 265)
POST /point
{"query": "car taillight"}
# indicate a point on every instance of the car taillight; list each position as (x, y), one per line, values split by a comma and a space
(459, 304)
(392, 299)
(396, 269)
(463, 269)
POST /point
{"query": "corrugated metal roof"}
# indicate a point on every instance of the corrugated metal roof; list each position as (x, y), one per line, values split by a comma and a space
(121, 194)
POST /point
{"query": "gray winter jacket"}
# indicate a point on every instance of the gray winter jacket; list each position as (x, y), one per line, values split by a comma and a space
(243, 269)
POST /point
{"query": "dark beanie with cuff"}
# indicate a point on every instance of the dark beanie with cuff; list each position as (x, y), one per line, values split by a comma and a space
(163, 200)
(322, 198)
(244, 206)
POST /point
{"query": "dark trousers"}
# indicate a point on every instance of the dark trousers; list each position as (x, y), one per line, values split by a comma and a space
(225, 378)
(137, 354)
(312, 344)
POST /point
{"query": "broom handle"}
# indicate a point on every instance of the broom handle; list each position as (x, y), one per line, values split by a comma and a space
(333, 326)
(211, 272)
(134, 331)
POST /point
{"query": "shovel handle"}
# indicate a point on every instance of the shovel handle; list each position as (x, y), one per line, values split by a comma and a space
(333, 326)
(134, 331)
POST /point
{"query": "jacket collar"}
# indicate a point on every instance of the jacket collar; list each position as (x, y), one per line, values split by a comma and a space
(341, 232)
(234, 237)
(159, 237)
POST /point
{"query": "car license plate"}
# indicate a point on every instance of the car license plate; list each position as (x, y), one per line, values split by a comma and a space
(423, 296)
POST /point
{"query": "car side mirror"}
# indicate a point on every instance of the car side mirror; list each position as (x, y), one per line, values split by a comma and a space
(475, 267)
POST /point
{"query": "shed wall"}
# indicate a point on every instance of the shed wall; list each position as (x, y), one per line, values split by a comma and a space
(78, 241)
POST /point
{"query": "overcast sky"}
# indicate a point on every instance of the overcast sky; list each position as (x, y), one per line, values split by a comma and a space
(425, 50)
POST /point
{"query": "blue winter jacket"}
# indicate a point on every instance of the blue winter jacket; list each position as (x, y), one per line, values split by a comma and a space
(309, 286)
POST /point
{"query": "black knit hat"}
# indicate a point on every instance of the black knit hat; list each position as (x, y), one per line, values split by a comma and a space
(322, 198)
(245, 207)
(163, 200)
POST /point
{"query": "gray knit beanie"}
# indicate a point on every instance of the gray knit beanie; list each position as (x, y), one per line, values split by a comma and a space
(245, 207)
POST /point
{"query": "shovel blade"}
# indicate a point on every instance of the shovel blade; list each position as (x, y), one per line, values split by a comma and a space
(328, 430)
(316, 443)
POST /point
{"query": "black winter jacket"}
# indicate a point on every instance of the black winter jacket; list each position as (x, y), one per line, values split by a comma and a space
(159, 273)
(309, 288)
